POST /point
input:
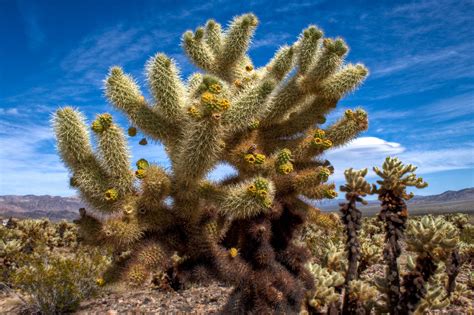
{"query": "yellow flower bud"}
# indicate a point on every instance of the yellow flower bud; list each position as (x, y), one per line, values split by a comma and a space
(233, 252)
(207, 97)
(140, 173)
(250, 158)
(111, 194)
(215, 88)
(100, 282)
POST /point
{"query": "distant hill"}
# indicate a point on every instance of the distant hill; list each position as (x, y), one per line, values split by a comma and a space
(58, 208)
(32, 206)
(448, 201)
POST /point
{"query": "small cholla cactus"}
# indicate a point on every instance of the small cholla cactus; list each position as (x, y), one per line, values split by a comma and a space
(395, 178)
(433, 239)
(264, 121)
(432, 236)
(356, 188)
(325, 282)
(370, 251)
(361, 298)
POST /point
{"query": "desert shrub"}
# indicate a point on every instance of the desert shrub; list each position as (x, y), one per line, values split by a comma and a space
(20, 238)
(56, 284)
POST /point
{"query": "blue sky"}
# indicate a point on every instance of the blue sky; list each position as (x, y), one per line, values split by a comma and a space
(419, 96)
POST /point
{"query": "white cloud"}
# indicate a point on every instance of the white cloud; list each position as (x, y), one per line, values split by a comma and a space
(25, 167)
(9, 111)
(366, 152)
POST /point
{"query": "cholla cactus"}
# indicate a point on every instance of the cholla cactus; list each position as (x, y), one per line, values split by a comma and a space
(361, 298)
(370, 251)
(356, 188)
(326, 282)
(433, 239)
(396, 177)
(263, 121)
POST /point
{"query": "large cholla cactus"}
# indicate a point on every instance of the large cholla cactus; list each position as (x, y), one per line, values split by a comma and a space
(262, 121)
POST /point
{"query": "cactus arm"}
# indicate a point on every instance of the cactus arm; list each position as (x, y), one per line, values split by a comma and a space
(124, 94)
(213, 36)
(235, 44)
(199, 150)
(249, 107)
(281, 63)
(76, 151)
(343, 82)
(348, 127)
(330, 59)
(248, 199)
(306, 116)
(166, 86)
(308, 44)
(114, 153)
(198, 51)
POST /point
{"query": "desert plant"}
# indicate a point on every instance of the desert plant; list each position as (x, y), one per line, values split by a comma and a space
(56, 284)
(395, 178)
(356, 188)
(326, 291)
(262, 121)
(433, 239)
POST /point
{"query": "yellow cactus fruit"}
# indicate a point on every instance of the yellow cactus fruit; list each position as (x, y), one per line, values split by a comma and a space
(100, 282)
(319, 133)
(215, 88)
(97, 126)
(285, 168)
(238, 83)
(252, 188)
(249, 68)
(193, 112)
(261, 183)
(111, 194)
(142, 98)
(327, 144)
(330, 194)
(260, 158)
(317, 141)
(250, 158)
(233, 252)
(140, 173)
(284, 156)
(349, 113)
(224, 104)
(324, 174)
(262, 193)
(102, 122)
(207, 98)
(132, 131)
(142, 164)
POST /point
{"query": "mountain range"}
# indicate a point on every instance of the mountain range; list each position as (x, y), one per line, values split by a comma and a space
(446, 202)
(58, 208)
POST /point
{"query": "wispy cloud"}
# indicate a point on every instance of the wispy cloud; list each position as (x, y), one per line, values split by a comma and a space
(366, 152)
(28, 166)
(271, 40)
(34, 33)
